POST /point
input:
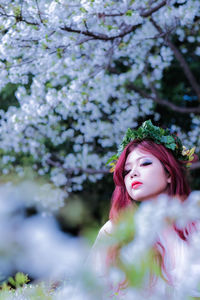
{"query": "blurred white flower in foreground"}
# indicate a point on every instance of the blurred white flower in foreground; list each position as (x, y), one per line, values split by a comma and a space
(34, 245)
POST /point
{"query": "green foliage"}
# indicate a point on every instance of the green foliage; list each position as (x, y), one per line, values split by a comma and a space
(59, 52)
(158, 135)
(17, 11)
(30, 292)
(7, 96)
(19, 280)
(129, 13)
(83, 10)
(44, 46)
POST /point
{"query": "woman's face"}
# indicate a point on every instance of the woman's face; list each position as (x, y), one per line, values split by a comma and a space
(145, 176)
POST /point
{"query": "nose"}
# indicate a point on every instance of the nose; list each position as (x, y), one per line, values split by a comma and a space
(134, 173)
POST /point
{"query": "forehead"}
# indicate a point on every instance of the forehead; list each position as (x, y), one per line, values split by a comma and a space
(136, 154)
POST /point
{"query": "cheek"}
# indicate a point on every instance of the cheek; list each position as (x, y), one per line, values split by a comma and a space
(155, 177)
(127, 183)
(160, 178)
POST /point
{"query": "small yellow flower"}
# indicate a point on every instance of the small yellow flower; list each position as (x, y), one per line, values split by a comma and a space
(189, 153)
(113, 164)
(185, 151)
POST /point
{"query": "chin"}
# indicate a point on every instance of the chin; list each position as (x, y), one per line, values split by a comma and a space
(139, 199)
(142, 198)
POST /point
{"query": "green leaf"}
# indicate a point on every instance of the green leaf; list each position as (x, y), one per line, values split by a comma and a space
(21, 279)
(129, 13)
(83, 10)
(17, 11)
(4, 287)
(156, 134)
(59, 52)
(114, 157)
(12, 281)
(44, 46)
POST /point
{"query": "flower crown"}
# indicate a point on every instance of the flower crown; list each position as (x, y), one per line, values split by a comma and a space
(160, 136)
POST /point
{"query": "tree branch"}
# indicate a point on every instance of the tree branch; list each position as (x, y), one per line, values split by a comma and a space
(76, 170)
(100, 36)
(183, 63)
(149, 12)
(39, 14)
(70, 171)
(163, 102)
(144, 13)
(128, 29)
(4, 14)
(87, 170)
(185, 68)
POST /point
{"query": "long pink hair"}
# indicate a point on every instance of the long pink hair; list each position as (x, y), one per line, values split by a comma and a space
(178, 187)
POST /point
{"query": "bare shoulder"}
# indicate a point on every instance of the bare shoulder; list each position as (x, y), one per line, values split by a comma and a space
(107, 228)
(104, 232)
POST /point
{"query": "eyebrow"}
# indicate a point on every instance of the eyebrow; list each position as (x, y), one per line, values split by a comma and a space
(137, 160)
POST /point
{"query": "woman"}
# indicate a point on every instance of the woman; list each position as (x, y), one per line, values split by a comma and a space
(150, 162)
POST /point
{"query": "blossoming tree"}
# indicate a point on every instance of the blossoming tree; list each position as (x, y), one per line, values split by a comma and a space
(87, 70)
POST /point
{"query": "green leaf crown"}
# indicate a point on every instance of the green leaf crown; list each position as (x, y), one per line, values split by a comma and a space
(147, 131)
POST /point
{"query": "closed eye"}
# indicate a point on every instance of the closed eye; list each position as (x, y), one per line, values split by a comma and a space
(126, 172)
(146, 163)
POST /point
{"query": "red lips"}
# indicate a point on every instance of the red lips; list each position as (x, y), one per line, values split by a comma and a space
(136, 184)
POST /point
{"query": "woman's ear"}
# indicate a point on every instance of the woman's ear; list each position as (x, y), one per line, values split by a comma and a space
(169, 179)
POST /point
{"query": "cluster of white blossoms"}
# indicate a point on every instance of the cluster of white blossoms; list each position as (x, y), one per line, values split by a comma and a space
(35, 244)
(81, 59)
(37, 247)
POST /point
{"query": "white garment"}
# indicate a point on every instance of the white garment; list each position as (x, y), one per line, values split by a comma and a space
(177, 255)
(98, 255)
